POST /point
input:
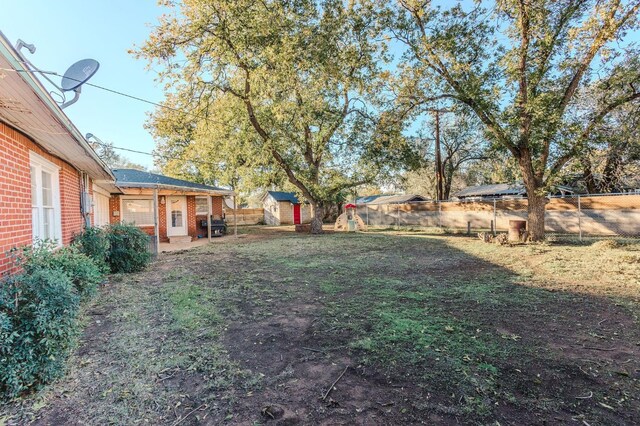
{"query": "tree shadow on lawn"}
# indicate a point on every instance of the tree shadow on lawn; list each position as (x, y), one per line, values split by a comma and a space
(432, 334)
(256, 332)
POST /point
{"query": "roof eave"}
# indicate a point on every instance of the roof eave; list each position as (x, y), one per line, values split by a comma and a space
(14, 57)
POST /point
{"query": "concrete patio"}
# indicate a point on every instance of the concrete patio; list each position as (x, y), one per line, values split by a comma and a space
(166, 247)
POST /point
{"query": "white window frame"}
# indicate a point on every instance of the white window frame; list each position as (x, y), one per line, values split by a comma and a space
(208, 207)
(40, 164)
(136, 197)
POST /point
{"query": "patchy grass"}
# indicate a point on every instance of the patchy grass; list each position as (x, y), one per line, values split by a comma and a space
(431, 329)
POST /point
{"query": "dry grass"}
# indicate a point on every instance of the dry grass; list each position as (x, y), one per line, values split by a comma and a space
(444, 328)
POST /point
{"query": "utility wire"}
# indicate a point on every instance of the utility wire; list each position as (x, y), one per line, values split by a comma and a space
(119, 93)
(164, 157)
(137, 98)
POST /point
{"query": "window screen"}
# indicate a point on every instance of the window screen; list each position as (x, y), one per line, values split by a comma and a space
(139, 212)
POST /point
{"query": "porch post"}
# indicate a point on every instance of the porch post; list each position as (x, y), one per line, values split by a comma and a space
(209, 201)
(156, 228)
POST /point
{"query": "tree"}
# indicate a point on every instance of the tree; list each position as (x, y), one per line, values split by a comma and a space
(520, 67)
(461, 142)
(300, 73)
(213, 152)
(112, 159)
(613, 148)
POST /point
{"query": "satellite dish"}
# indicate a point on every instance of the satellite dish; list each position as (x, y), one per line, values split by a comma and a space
(78, 74)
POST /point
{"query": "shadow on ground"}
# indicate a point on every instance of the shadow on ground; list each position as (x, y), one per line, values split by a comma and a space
(413, 329)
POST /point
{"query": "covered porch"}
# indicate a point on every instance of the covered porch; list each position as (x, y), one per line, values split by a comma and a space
(173, 211)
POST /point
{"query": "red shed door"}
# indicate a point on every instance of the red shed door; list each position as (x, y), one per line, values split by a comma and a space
(296, 214)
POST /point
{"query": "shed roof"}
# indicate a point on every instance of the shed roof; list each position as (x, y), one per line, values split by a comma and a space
(496, 190)
(284, 196)
(132, 178)
(397, 199)
(368, 198)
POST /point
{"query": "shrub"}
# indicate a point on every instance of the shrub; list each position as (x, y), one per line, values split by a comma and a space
(83, 272)
(38, 328)
(94, 243)
(128, 248)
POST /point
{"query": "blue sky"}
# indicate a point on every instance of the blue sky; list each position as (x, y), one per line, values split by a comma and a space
(69, 30)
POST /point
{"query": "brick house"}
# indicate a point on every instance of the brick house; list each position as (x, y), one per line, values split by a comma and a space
(284, 208)
(48, 171)
(174, 210)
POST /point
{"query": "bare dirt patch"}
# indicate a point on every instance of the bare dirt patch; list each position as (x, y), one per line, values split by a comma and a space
(415, 329)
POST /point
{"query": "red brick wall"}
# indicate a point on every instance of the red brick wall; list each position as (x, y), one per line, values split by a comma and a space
(72, 221)
(216, 208)
(15, 194)
(114, 206)
(191, 217)
(162, 219)
(193, 222)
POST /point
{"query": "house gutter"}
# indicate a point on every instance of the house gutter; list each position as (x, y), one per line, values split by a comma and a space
(15, 58)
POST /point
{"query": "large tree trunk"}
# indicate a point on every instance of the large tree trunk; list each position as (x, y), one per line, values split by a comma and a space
(535, 213)
(318, 216)
(448, 180)
(587, 175)
(611, 175)
(536, 199)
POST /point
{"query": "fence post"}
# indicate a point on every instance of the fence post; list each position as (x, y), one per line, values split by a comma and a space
(579, 218)
(494, 224)
(398, 216)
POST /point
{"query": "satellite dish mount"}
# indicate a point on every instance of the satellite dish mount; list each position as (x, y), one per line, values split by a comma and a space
(72, 80)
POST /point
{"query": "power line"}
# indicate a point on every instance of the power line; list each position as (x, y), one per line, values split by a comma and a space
(152, 154)
(137, 98)
(119, 93)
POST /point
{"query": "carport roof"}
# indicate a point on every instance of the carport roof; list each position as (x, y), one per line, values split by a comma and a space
(132, 178)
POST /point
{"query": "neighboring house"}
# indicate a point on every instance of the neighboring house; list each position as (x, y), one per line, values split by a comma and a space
(178, 208)
(284, 208)
(500, 190)
(504, 190)
(48, 171)
(391, 199)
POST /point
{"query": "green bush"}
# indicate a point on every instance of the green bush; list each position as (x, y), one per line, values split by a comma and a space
(38, 328)
(82, 270)
(94, 243)
(128, 248)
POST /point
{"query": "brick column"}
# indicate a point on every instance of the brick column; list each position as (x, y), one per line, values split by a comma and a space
(191, 217)
(114, 206)
(216, 206)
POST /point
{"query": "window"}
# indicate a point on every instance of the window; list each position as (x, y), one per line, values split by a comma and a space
(138, 211)
(176, 213)
(202, 206)
(45, 202)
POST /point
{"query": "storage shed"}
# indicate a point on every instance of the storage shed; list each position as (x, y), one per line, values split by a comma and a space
(284, 208)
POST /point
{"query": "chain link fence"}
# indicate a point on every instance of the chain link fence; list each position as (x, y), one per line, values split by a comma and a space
(610, 215)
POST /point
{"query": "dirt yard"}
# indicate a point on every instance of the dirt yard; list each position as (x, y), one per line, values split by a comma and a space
(412, 328)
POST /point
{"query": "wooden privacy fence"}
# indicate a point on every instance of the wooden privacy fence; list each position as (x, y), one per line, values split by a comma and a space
(245, 216)
(580, 215)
